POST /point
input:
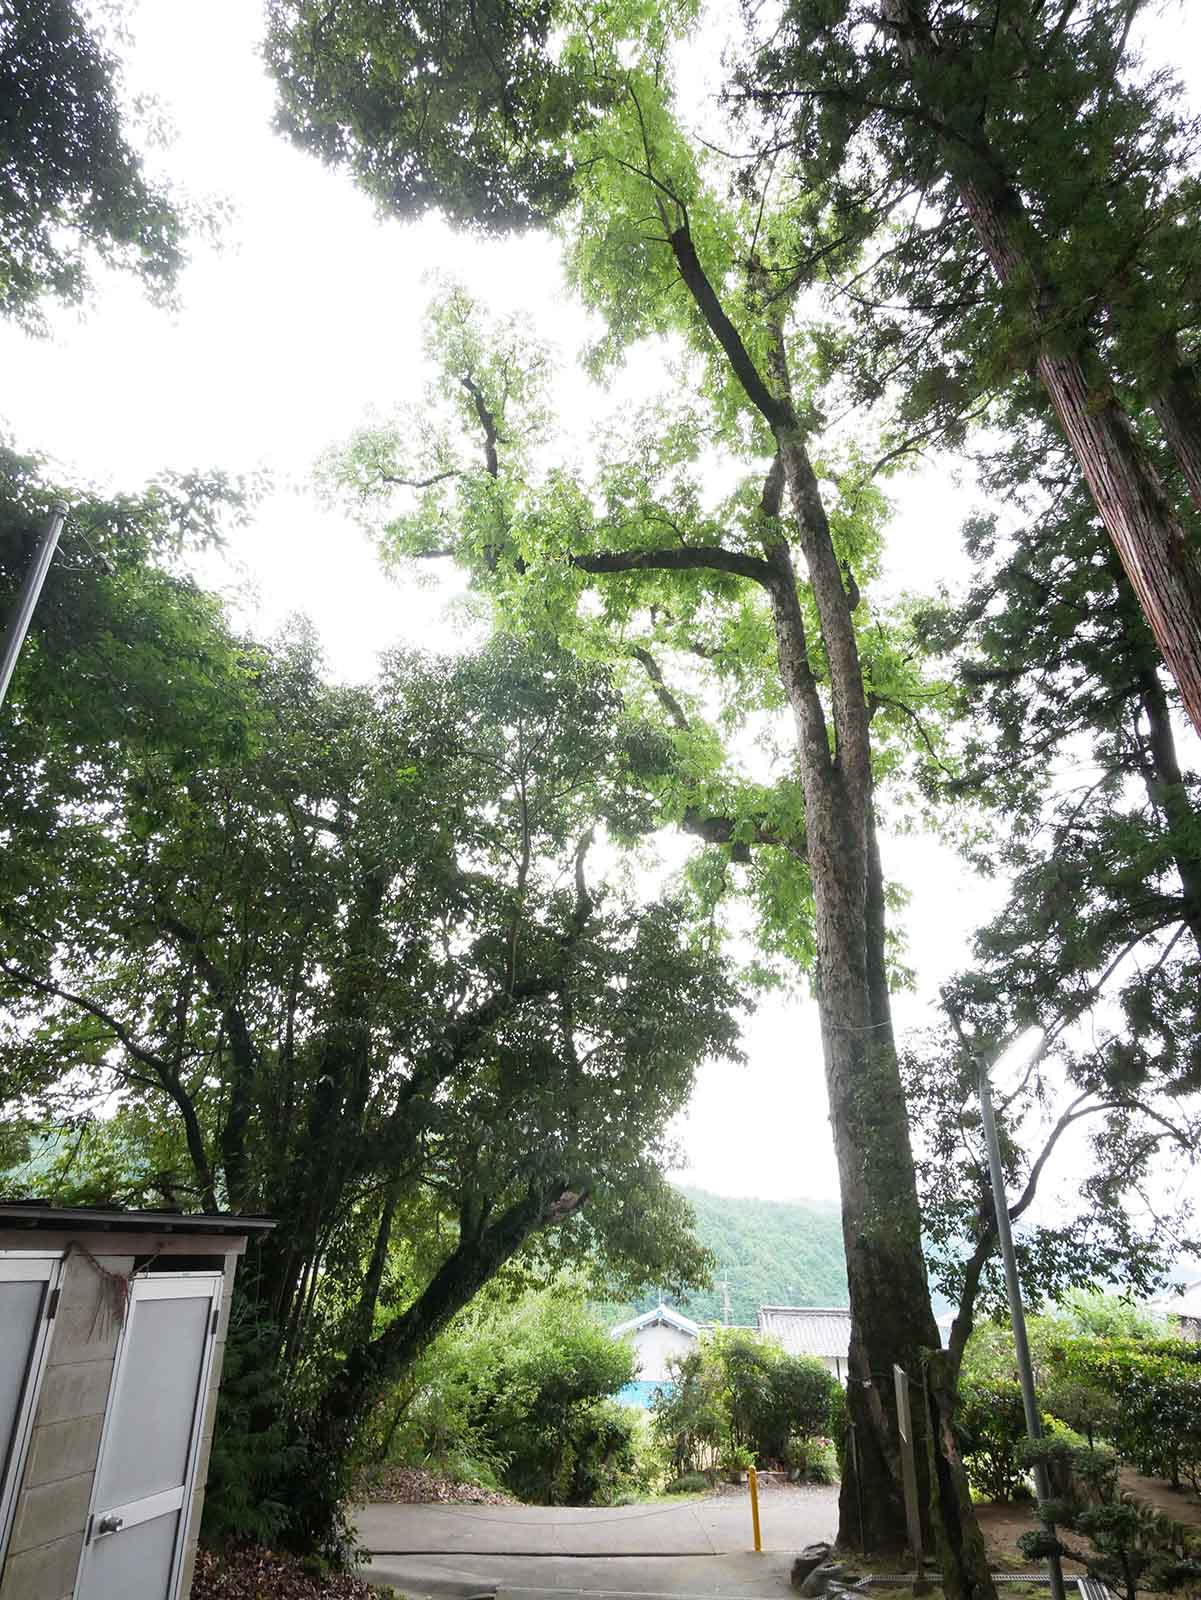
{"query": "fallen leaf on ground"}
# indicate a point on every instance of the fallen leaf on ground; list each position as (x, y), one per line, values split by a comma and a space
(257, 1574)
(415, 1486)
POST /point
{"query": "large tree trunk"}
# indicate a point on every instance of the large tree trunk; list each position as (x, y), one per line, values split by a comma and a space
(1176, 401)
(1167, 792)
(485, 1244)
(1149, 537)
(891, 1317)
(959, 1544)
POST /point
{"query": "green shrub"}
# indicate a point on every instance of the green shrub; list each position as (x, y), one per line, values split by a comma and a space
(1130, 1547)
(1075, 1471)
(1140, 1392)
(520, 1396)
(814, 1459)
(993, 1425)
(1091, 1410)
(1153, 1410)
(599, 1460)
(687, 1483)
(689, 1419)
(740, 1396)
(254, 1451)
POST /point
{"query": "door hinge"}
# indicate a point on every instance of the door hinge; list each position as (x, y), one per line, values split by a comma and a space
(52, 1300)
(216, 1319)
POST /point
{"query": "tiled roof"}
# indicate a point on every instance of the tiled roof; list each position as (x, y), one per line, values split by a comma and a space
(808, 1330)
(661, 1313)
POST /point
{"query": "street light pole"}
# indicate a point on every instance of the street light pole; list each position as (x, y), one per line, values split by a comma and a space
(1016, 1315)
(31, 588)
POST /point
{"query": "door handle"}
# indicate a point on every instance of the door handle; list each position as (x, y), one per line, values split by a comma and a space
(109, 1525)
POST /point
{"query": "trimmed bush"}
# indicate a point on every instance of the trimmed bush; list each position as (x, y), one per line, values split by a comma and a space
(1127, 1549)
(738, 1399)
(993, 1427)
(1149, 1395)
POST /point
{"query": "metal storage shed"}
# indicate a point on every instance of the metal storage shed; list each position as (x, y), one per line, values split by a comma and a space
(112, 1332)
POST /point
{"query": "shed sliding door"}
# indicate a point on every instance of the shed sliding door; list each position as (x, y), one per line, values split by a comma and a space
(136, 1529)
(26, 1285)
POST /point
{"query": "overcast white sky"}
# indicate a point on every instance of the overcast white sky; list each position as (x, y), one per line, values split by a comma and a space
(308, 317)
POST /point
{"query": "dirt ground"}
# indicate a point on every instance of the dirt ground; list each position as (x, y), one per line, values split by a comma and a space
(1002, 1525)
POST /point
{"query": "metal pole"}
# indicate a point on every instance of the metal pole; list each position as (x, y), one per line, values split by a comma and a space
(31, 588)
(1016, 1314)
(753, 1480)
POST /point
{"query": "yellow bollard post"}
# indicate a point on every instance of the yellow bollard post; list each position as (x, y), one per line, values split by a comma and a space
(753, 1480)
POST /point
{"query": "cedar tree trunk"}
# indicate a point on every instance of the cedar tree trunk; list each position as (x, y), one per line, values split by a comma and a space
(1149, 537)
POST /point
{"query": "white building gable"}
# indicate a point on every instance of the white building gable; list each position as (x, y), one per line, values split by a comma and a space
(656, 1336)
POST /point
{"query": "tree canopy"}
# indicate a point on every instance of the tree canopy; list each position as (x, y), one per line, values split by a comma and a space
(73, 189)
(639, 559)
(357, 967)
(396, 962)
(467, 109)
(1026, 182)
(1067, 727)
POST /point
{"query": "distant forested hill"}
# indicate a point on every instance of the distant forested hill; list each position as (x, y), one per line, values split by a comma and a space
(772, 1252)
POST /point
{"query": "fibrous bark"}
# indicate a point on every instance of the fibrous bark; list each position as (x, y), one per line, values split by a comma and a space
(1148, 535)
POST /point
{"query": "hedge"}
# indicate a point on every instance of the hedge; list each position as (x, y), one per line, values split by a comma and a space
(1152, 1398)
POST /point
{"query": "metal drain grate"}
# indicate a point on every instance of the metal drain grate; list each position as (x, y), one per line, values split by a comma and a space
(1088, 1588)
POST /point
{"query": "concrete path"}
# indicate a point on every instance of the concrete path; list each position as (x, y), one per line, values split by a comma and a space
(699, 1547)
(741, 1577)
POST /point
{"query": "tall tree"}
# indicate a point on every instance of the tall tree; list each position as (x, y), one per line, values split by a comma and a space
(669, 574)
(1068, 736)
(1021, 143)
(73, 189)
(363, 961)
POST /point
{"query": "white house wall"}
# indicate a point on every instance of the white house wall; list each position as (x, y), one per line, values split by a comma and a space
(654, 1345)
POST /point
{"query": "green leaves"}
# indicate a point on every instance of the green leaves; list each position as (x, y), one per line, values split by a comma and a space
(521, 1386)
(738, 1398)
(357, 967)
(72, 184)
(383, 92)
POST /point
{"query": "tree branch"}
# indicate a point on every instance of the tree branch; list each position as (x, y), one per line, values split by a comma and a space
(164, 1072)
(723, 330)
(662, 693)
(715, 558)
(245, 1052)
(487, 422)
(421, 483)
(721, 830)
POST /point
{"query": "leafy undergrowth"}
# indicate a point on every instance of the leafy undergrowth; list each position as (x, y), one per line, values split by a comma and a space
(414, 1486)
(257, 1574)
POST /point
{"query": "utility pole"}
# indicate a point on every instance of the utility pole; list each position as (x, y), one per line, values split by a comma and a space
(1017, 1316)
(31, 588)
